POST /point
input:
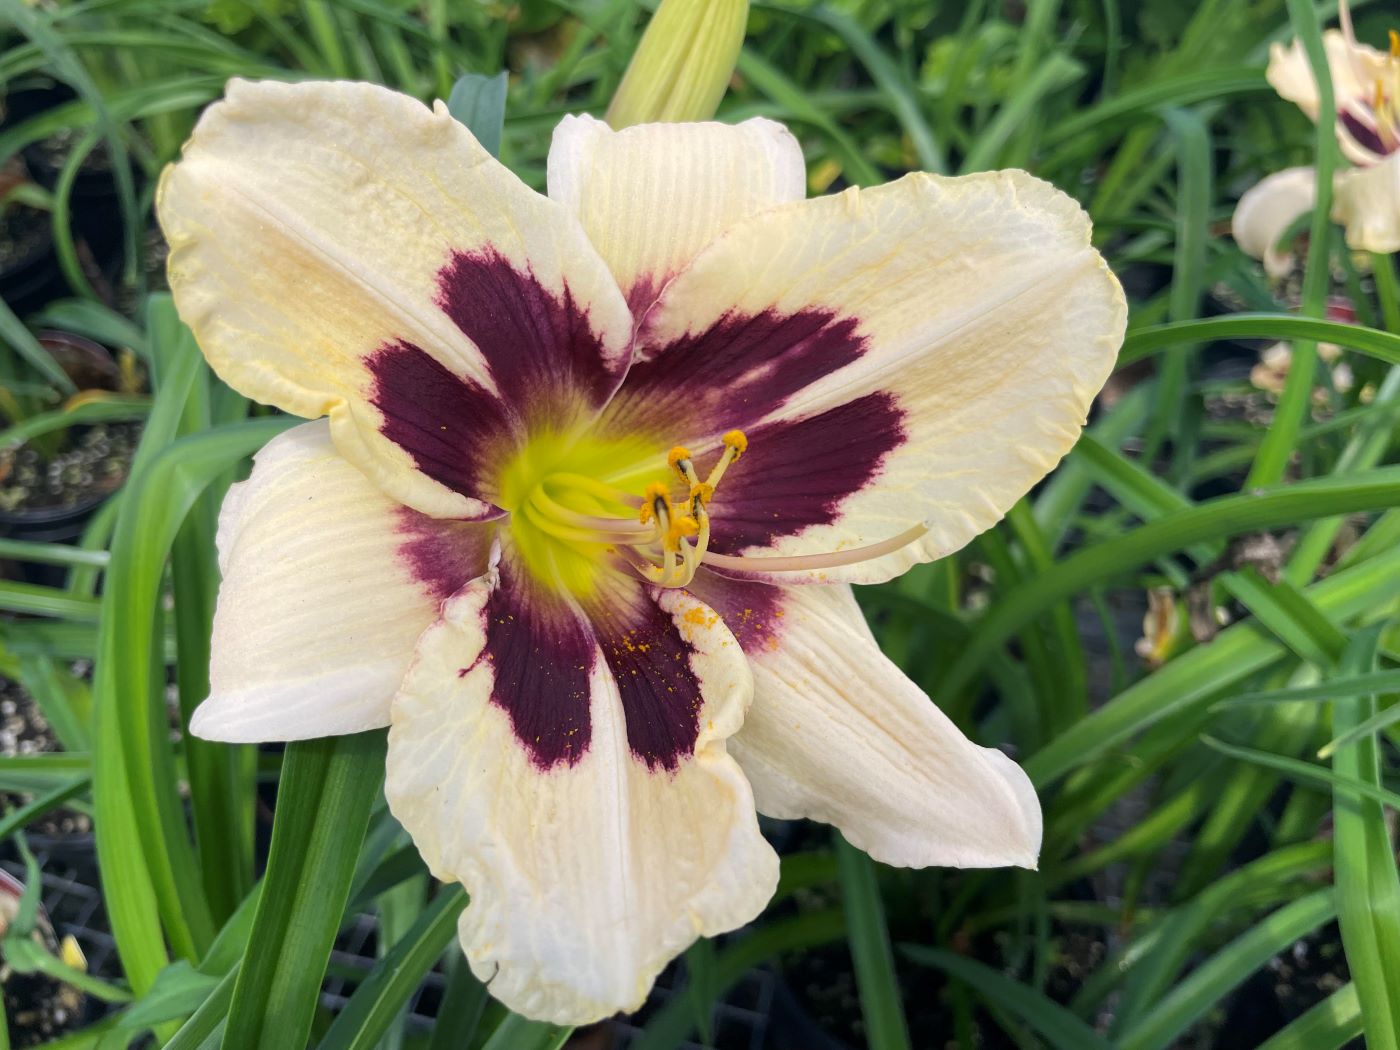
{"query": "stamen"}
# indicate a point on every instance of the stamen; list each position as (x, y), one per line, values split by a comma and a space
(657, 496)
(1344, 16)
(558, 512)
(807, 562)
(683, 465)
(596, 487)
(702, 541)
(1349, 35)
(677, 456)
(609, 535)
(1394, 44)
(735, 445)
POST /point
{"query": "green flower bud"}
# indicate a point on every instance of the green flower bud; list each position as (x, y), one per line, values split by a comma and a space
(683, 64)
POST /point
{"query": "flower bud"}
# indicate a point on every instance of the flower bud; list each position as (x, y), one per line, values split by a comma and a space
(683, 64)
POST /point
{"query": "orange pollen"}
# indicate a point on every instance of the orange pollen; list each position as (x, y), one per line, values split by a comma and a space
(680, 527)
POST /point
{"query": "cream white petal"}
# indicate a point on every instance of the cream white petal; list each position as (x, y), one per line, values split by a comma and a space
(1266, 211)
(838, 733)
(327, 584)
(1367, 202)
(918, 353)
(651, 196)
(525, 764)
(339, 249)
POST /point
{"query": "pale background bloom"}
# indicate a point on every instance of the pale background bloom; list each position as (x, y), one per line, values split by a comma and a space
(1366, 85)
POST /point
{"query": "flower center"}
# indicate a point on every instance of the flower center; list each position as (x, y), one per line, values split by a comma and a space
(584, 507)
(1371, 122)
(1385, 100)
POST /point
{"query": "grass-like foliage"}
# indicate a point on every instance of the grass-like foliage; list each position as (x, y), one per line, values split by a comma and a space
(1218, 866)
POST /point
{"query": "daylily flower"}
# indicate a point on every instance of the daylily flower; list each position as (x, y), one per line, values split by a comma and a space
(598, 470)
(1276, 360)
(1366, 88)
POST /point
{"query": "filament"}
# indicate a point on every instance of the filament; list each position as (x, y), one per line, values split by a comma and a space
(808, 562)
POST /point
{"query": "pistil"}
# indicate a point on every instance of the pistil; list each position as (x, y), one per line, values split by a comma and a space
(810, 562)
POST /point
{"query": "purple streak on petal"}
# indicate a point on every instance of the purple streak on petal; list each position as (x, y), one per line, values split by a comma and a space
(796, 473)
(735, 372)
(540, 348)
(443, 555)
(753, 612)
(541, 655)
(642, 294)
(448, 425)
(1364, 134)
(650, 659)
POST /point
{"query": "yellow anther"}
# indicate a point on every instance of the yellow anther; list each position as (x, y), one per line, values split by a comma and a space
(678, 455)
(656, 503)
(736, 440)
(680, 527)
(703, 491)
(1394, 44)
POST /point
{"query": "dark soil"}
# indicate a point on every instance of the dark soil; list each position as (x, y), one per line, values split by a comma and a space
(1287, 987)
(91, 467)
(24, 731)
(37, 1007)
(40, 1009)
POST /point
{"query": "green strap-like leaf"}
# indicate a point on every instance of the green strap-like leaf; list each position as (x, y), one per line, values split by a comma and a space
(1368, 887)
(1141, 342)
(870, 950)
(1281, 438)
(1197, 677)
(1329, 1025)
(1193, 997)
(323, 805)
(1227, 516)
(516, 1033)
(381, 995)
(479, 102)
(1058, 1026)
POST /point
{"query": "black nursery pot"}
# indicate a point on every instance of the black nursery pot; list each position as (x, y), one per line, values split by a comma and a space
(94, 205)
(29, 271)
(49, 524)
(45, 525)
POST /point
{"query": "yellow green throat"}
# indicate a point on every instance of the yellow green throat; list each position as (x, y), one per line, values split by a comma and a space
(581, 506)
